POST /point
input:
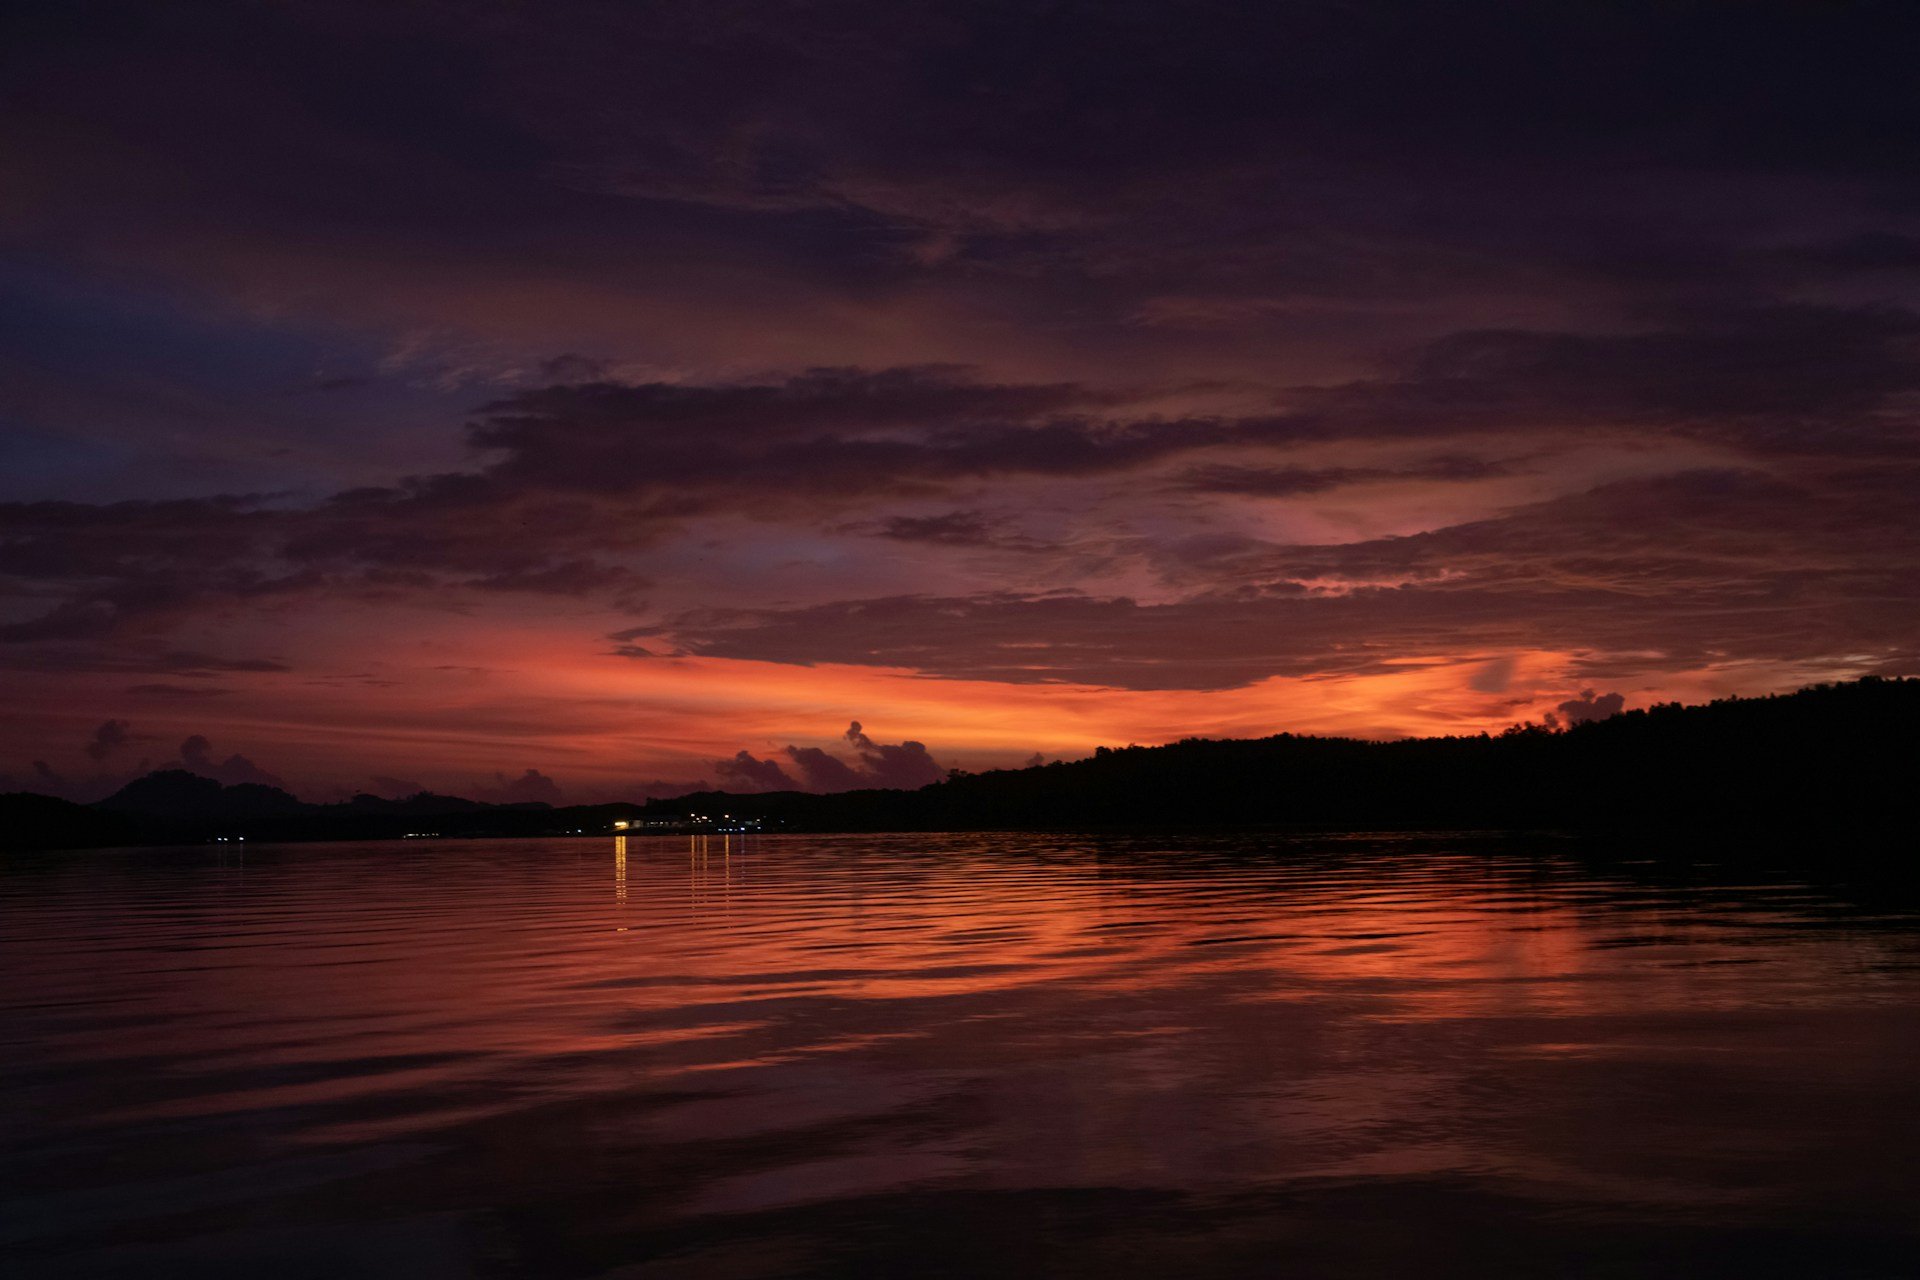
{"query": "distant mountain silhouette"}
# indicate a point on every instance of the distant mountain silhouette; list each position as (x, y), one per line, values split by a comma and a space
(175, 806)
(175, 793)
(1842, 757)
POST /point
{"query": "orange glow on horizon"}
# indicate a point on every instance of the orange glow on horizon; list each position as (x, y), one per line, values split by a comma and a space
(451, 708)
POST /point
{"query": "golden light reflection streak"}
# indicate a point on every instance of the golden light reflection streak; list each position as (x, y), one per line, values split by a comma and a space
(700, 877)
(620, 871)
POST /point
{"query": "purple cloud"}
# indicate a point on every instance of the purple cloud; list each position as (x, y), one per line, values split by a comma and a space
(903, 765)
(108, 739)
(1590, 706)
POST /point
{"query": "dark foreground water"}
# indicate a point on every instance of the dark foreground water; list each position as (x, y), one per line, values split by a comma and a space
(955, 1055)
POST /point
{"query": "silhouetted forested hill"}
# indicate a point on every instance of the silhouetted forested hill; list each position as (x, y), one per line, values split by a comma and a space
(1845, 754)
(1833, 756)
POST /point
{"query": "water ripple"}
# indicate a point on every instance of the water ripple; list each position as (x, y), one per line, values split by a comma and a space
(909, 1055)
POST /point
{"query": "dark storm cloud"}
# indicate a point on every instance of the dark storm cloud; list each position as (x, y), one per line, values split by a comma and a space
(142, 659)
(1477, 234)
(1591, 705)
(1773, 380)
(820, 771)
(1869, 253)
(1042, 108)
(583, 419)
(1769, 379)
(1200, 643)
(1694, 568)
(1287, 482)
(574, 472)
(905, 764)
(681, 447)
(898, 765)
(746, 772)
(530, 787)
(108, 739)
(1731, 529)
(1124, 155)
(571, 368)
(951, 528)
(572, 477)
(567, 578)
(197, 756)
(176, 692)
(1495, 677)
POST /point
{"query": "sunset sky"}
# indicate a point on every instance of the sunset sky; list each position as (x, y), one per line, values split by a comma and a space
(581, 401)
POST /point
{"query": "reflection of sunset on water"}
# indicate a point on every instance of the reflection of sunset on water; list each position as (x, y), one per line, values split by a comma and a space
(830, 1020)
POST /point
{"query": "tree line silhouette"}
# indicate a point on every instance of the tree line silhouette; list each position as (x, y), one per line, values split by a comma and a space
(1829, 756)
(1834, 753)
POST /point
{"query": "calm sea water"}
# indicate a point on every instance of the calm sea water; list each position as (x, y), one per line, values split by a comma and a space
(953, 1055)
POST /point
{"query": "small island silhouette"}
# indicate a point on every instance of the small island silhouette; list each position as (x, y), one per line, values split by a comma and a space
(1829, 757)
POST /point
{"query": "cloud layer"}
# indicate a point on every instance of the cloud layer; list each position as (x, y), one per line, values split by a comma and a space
(904, 765)
(381, 370)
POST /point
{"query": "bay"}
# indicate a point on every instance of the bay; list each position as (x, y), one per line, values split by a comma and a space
(1210, 1054)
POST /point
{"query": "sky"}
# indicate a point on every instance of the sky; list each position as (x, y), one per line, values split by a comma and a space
(585, 401)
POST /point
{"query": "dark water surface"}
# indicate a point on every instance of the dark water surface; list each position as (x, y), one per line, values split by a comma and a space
(950, 1055)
